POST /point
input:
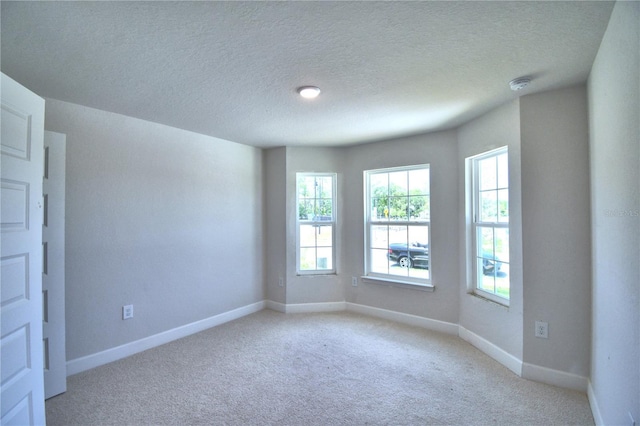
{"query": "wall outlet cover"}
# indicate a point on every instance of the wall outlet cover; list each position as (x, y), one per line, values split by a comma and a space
(542, 329)
(127, 312)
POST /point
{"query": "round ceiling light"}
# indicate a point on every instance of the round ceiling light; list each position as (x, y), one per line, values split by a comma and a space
(309, 92)
(519, 83)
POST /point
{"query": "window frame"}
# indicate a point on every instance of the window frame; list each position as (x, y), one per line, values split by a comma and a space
(332, 222)
(475, 223)
(424, 283)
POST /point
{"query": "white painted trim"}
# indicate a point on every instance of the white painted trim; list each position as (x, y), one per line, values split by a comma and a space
(527, 371)
(524, 370)
(554, 377)
(595, 409)
(503, 357)
(388, 282)
(276, 306)
(298, 308)
(88, 362)
(414, 320)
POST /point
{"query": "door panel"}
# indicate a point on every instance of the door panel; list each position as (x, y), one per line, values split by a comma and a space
(21, 378)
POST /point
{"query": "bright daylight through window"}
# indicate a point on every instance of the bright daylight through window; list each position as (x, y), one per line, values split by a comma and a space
(316, 195)
(490, 228)
(397, 224)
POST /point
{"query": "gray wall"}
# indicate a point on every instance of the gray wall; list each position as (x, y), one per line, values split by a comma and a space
(500, 127)
(313, 288)
(440, 151)
(167, 220)
(555, 229)
(614, 113)
(275, 220)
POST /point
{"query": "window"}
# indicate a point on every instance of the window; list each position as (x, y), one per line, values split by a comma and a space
(397, 222)
(316, 195)
(490, 226)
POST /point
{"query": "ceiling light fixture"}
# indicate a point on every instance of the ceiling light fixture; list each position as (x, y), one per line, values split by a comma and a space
(309, 92)
(519, 83)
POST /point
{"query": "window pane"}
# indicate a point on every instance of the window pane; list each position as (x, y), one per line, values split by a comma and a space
(324, 235)
(419, 207)
(493, 276)
(307, 236)
(503, 171)
(419, 250)
(380, 208)
(396, 268)
(398, 208)
(398, 182)
(503, 205)
(305, 186)
(316, 247)
(502, 280)
(325, 257)
(409, 251)
(324, 187)
(502, 244)
(398, 235)
(488, 206)
(324, 210)
(305, 209)
(488, 173)
(419, 182)
(419, 272)
(307, 259)
(399, 259)
(380, 261)
(486, 278)
(485, 243)
(419, 236)
(379, 237)
(379, 185)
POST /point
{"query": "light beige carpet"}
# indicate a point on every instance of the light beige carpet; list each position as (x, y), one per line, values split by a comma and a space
(312, 369)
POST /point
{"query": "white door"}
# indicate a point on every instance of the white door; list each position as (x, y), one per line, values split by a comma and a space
(22, 374)
(55, 360)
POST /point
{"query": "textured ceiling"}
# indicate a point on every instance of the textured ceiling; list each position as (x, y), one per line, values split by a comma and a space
(231, 69)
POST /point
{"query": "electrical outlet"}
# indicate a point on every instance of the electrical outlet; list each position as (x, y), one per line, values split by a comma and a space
(354, 281)
(542, 329)
(281, 282)
(127, 312)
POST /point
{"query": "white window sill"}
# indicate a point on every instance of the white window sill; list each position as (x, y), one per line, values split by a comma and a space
(316, 274)
(389, 282)
(490, 298)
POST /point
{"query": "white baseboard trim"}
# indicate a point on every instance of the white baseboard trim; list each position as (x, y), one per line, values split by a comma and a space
(88, 362)
(297, 308)
(414, 320)
(495, 352)
(525, 370)
(554, 377)
(595, 409)
(276, 306)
